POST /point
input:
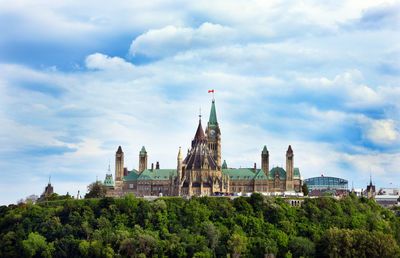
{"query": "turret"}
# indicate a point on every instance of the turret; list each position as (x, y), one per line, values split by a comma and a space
(224, 165)
(214, 135)
(119, 164)
(265, 160)
(179, 172)
(142, 159)
(179, 165)
(289, 169)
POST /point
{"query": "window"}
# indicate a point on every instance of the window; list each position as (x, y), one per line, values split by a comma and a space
(131, 186)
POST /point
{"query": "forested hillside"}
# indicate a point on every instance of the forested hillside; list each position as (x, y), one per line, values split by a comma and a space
(199, 227)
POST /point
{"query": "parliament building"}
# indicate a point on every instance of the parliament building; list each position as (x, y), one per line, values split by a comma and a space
(201, 172)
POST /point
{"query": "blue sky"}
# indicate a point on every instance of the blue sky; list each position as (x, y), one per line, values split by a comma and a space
(79, 79)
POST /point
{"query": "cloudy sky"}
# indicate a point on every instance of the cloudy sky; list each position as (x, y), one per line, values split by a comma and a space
(78, 79)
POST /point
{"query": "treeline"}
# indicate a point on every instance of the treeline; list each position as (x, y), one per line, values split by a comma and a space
(200, 227)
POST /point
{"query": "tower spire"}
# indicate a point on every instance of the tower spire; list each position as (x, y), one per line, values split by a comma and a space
(213, 115)
(199, 133)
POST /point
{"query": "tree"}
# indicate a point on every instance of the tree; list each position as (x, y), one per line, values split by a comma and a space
(31, 199)
(212, 234)
(237, 244)
(304, 189)
(36, 245)
(128, 248)
(301, 246)
(357, 243)
(96, 190)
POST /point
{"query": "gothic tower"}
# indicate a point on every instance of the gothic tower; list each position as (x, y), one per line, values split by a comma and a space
(203, 176)
(370, 189)
(119, 164)
(289, 169)
(179, 174)
(214, 135)
(142, 159)
(265, 160)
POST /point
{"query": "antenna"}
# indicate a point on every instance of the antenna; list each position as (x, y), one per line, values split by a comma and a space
(370, 176)
(200, 113)
(49, 179)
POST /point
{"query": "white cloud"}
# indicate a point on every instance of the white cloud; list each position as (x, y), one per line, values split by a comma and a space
(383, 132)
(283, 73)
(104, 62)
(170, 39)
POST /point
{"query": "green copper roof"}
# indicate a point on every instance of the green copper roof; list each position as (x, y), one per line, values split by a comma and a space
(260, 175)
(281, 171)
(265, 151)
(143, 150)
(224, 165)
(156, 174)
(108, 181)
(296, 173)
(233, 173)
(243, 173)
(132, 175)
(213, 115)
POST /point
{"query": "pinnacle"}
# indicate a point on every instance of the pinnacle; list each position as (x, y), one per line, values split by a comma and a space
(213, 115)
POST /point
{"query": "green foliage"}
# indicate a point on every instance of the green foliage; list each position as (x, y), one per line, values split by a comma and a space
(304, 189)
(252, 226)
(237, 244)
(96, 190)
(301, 247)
(36, 246)
(358, 243)
(55, 196)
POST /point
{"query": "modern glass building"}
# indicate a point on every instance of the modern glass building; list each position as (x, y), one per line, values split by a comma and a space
(320, 185)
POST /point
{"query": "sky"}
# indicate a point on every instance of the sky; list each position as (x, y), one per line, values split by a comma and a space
(78, 79)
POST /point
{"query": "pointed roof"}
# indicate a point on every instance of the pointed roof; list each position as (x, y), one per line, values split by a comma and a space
(265, 151)
(200, 156)
(213, 115)
(289, 150)
(119, 151)
(199, 137)
(224, 165)
(179, 154)
(143, 150)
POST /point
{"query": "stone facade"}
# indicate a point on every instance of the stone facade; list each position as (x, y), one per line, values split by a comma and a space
(201, 173)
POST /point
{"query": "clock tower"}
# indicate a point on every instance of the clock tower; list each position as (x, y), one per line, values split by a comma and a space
(214, 135)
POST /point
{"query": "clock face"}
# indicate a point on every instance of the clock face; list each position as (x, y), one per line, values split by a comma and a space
(213, 133)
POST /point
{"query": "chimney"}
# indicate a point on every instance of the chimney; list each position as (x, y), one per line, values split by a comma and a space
(158, 165)
(152, 166)
(255, 167)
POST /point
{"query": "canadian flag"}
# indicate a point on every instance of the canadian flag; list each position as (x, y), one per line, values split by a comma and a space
(210, 91)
